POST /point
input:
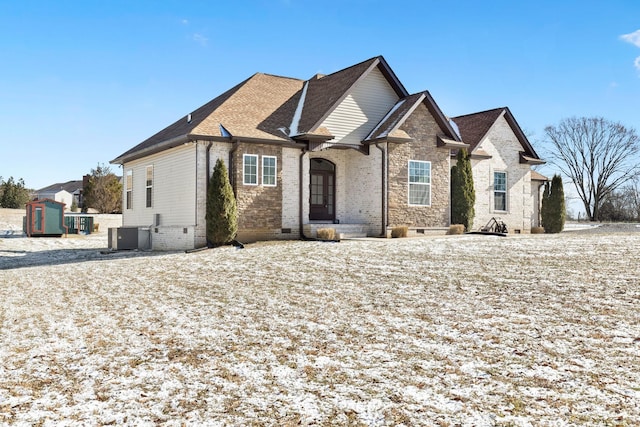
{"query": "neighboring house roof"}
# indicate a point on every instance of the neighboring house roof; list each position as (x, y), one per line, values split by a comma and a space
(274, 109)
(474, 128)
(69, 186)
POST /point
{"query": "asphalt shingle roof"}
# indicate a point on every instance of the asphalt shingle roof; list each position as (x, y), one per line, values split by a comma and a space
(69, 186)
(473, 128)
(263, 108)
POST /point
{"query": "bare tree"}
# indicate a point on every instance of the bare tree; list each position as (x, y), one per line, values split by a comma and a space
(598, 155)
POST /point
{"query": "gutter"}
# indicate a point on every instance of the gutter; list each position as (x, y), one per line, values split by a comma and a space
(169, 143)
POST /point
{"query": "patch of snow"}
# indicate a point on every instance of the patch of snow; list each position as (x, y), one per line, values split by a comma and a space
(295, 121)
(388, 332)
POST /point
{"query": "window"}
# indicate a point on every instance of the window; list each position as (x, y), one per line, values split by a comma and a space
(419, 183)
(269, 171)
(129, 188)
(149, 186)
(500, 191)
(250, 169)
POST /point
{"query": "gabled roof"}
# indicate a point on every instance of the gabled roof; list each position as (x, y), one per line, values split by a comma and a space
(389, 126)
(474, 128)
(325, 93)
(274, 109)
(69, 186)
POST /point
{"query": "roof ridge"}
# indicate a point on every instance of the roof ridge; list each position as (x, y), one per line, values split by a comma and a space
(276, 75)
(347, 68)
(481, 112)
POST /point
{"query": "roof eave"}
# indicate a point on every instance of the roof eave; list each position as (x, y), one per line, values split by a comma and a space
(156, 148)
(389, 139)
(451, 144)
(313, 137)
(524, 159)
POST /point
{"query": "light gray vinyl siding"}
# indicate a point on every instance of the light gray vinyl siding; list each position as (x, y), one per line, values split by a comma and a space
(361, 110)
(174, 188)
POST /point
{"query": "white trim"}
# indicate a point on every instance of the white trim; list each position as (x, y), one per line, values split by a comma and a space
(275, 171)
(244, 171)
(128, 193)
(148, 200)
(409, 183)
(506, 193)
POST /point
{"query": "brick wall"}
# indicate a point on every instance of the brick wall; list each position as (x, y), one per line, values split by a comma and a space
(424, 130)
(504, 147)
(170, 238)
(259, 206)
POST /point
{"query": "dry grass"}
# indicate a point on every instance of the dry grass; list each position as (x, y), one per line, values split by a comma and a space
(537, 230)
(534, 330)
(456, 229)
(326, 233)
(399, 231)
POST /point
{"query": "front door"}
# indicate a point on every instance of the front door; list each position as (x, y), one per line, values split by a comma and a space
(322, 191)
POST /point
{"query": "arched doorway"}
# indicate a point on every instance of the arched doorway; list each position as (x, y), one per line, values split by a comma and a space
(322, 197)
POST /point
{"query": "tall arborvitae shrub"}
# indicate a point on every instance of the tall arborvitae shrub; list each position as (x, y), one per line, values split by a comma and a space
(222, 211)
(463, 195)
(553, 206)
(544, 209)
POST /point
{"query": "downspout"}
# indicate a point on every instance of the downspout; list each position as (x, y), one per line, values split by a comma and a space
(208, 160)
(208, 178)
(384, 189)
(232, 174)
(195, 214)
(300, 195)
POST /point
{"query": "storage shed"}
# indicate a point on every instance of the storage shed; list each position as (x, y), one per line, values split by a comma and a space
(45, 218)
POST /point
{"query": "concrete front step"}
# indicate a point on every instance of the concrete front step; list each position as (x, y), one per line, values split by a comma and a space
(343, 231)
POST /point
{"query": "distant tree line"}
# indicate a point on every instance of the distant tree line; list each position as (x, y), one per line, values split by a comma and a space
(13, 194)
(622, 205)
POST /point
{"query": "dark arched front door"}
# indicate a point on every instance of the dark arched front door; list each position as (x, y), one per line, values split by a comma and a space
(322, 199)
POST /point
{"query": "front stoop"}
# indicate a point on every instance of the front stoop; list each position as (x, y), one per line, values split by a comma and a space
(343, 231)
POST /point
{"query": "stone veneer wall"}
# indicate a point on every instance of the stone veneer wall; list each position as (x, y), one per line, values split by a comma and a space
(424, 130)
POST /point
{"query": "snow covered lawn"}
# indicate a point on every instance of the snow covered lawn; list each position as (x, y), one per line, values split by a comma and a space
(459, 330)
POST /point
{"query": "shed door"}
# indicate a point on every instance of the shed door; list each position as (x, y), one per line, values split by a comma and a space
(37, 224)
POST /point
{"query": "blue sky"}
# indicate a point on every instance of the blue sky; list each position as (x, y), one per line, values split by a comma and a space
(83, 81)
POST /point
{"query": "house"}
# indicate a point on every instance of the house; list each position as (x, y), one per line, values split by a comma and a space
(66, 192)
(501, 159)
(352, 150)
